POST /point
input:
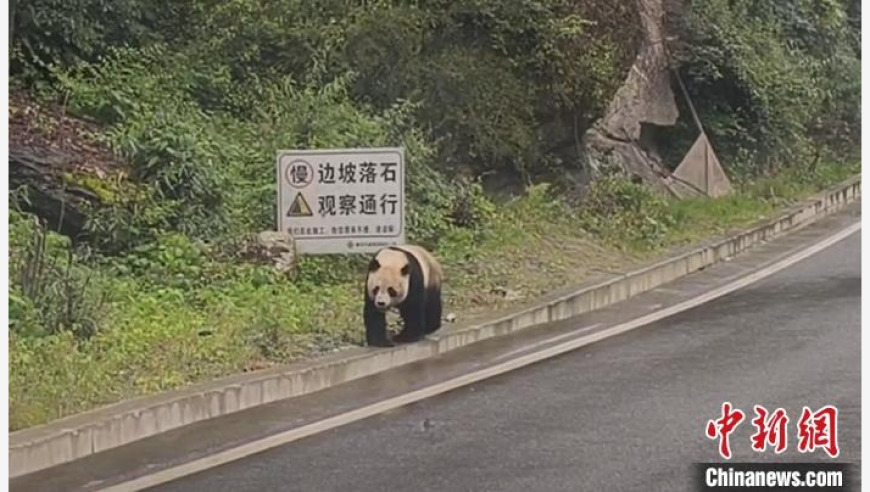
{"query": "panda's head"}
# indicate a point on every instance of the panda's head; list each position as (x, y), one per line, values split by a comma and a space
(388, 278)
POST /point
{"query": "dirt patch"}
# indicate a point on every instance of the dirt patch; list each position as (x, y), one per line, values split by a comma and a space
(48, 129)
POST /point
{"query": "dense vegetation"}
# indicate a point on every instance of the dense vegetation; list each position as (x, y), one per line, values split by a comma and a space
(195, 96)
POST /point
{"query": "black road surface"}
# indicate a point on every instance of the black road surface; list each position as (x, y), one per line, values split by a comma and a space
(627, 413)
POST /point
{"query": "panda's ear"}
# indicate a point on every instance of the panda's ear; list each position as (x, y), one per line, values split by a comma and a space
(406, 269)
(374, 265)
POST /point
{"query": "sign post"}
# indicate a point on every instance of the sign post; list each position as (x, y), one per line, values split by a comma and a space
(341, 201)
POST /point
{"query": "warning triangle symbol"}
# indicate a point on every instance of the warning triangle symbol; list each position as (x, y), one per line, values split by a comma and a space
(299, 207)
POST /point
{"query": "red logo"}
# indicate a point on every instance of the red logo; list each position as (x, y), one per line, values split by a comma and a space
(723, 427)
(770, 429)
(815, 430)
(818, 430)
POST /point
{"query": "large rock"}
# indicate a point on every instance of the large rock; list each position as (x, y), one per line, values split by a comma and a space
(279, 248)
(617, 140)
(58, 204)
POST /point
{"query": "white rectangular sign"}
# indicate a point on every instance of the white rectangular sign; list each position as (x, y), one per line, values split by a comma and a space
(341, 201)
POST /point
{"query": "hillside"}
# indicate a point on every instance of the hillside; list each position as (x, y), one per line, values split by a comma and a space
(143, 136)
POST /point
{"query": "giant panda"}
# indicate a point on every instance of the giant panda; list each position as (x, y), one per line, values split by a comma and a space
(409, 278)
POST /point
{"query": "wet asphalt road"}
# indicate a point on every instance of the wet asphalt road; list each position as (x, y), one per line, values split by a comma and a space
(627, 413)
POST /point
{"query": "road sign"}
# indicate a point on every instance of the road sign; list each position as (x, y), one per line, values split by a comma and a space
(341, 201)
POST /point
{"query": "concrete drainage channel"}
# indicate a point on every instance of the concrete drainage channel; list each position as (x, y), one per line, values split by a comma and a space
(98, 430)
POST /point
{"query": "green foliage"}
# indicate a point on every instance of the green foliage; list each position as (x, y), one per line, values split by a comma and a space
(473, 209)
(540, 204)
(774, 82)
(197, 97)
(501, 86)
(178, 158)
(61, 33)
(463, 60)
(555, 61)
(186, 317)
(626, 214)
(471, 87)
(50, 290)
(173, 260)
(209, 174)
(131, 215)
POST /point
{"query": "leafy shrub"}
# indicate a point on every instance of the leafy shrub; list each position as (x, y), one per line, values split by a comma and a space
(51, 33)
(769, 78)
(463, 60)
(625, 213)
(556, 61)
(131, 215)
(172, 260)
(210, 175)
(176, 162)
(472, 209)
(50, 291)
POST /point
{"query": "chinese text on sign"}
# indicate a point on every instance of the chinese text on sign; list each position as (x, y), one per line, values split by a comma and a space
(342, 200)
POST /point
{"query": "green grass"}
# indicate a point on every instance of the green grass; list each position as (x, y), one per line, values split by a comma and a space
(699, 218)
(182, 315)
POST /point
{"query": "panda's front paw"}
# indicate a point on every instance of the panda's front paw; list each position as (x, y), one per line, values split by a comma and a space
(381, 342)
(404, 337)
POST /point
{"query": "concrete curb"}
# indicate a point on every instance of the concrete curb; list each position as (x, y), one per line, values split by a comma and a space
(104, 428)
